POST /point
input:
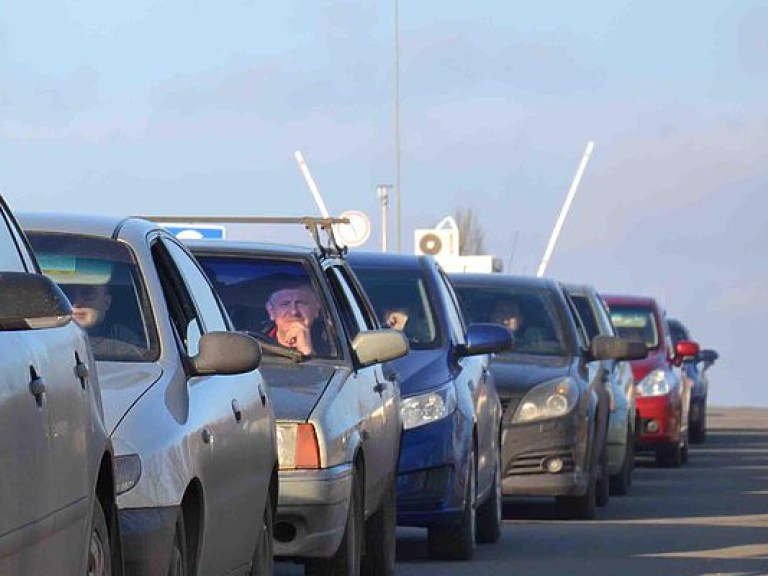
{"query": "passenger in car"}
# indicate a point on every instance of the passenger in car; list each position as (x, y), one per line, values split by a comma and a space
(108, 336)
(293, 310)
(396, 317)
(508, 314)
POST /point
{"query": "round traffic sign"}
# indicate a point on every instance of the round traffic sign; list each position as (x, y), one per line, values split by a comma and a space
(357, 231)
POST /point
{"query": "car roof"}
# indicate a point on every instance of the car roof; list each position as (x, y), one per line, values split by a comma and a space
(629, 300)
(247, 247)
(99, 225)
(463, 279)
(387, 259)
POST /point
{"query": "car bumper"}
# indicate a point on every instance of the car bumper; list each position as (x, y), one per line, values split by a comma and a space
(147, 536)
(526, 449)
(312, 510)
(659, 420)
(429, 490)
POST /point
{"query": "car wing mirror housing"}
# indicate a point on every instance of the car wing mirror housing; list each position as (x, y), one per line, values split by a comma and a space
(376, 346)
(226, 353)
(31, 302)
(615, 348)
(708, 356)
(486, 338)
(685, 350)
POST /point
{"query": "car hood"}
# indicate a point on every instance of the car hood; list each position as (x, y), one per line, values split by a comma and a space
(516, 374)
(641, 368)
(296, 388)
(421, 370)
(122, 384)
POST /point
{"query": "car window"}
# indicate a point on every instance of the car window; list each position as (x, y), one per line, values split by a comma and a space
(349, 309)
(636, 323)
(457, 326)
(401, 300)
(102, 280)
(677, 332)
(530, 313)
(586, 315)
(250, 288)
(10, 257)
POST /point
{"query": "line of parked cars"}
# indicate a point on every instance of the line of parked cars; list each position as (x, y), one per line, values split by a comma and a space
(209, 407)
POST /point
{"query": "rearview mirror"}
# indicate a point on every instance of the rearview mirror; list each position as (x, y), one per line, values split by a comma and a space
(226, 353)
(708, 356)
(31, 301)
(615, 348)
(486, 338)
(685, 350)
(375, 346)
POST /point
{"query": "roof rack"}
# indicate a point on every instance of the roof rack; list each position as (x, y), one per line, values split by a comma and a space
(313, 224)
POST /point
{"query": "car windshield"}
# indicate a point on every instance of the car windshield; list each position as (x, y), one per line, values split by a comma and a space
(265, 296)
(101, 279)
(530, 314)
(401, 301)
(636, 323)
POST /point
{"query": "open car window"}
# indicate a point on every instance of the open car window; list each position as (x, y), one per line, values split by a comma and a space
(101, 279)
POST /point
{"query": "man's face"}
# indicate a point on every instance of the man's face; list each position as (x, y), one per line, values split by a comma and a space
(293, 305)
(89, 304)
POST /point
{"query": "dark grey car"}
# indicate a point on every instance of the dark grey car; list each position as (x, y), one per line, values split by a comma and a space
(190, 420)
(57, 495)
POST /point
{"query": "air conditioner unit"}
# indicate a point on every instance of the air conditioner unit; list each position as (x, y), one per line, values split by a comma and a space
(436, 242)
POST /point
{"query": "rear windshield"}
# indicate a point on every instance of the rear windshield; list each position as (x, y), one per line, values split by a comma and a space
(530, 314)
(636, 323)
(101, 279)
(401, 301)
(264, 295)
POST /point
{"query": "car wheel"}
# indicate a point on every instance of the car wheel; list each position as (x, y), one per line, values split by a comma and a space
(457, 541)
(347, 560)
(602, 489)
(99, 549)
(622, 480)
(489, 514)
(263, 556)
(380, 542)
(698, 430)
(684, 449)
(669, 456)
(178, 566)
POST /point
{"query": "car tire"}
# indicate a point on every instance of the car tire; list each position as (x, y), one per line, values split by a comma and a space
(348, 558)
(178, 565)
(457, 541)
(380, 540)
(602, 489)
(490, 513)
(698, 430)
(622, 480)
(99, 549)
(669, 456)
(263, 557)
(684, 449)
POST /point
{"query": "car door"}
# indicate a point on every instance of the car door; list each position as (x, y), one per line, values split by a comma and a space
(229, 414)
(376, 393)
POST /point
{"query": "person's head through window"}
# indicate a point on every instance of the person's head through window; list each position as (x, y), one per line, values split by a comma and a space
(396, 317)
(293, 308)
(509, 315)
(90, 304)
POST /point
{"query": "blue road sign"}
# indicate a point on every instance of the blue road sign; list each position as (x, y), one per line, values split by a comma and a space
(196, 231)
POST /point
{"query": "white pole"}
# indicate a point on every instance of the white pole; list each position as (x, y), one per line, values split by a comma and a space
(383, 194)
(311, 183)
(564, 210)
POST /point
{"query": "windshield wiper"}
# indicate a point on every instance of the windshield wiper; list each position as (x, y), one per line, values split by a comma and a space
(269, 346)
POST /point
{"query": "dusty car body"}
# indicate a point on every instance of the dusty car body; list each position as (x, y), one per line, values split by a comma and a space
(57, 493)
(624, 419)
(338, 412)
(186, 408)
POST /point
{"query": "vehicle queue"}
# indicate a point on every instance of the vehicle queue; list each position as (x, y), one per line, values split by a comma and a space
(251, 402)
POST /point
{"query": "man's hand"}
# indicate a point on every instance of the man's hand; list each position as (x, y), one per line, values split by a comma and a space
(296, 335)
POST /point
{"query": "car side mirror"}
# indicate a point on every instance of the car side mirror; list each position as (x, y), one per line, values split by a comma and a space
(375, 346)
(486, 338)
(616, 348)
(685, 350)
(708, 356)
(31, 302)
(226, 353)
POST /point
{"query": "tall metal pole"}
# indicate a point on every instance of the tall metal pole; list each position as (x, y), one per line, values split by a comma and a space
(383, 193)
(397, 128)
(564, 210)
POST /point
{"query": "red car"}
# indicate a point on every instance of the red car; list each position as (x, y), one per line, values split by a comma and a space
(663, 396)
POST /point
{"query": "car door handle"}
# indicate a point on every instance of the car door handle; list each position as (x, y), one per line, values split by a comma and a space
(380, 387)
(262, 395)
(236, 410)
(37, 387)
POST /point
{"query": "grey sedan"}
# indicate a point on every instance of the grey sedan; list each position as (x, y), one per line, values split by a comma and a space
(188, 413)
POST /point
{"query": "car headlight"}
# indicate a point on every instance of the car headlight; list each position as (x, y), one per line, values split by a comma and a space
(297, 446)
(427, 408)
(549, 400)
(127, 472)
(654, 384)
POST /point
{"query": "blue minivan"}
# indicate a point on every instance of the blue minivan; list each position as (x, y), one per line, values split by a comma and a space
(448, 473)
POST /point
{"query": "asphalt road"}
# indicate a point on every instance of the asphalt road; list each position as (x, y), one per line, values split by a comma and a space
(708, 518)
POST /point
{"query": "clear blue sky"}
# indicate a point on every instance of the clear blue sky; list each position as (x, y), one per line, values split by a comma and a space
(197, 108)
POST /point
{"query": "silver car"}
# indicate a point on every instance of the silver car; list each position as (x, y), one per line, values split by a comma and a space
(190, 420)
(57, 502)
(338, 413)
(624, 419)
